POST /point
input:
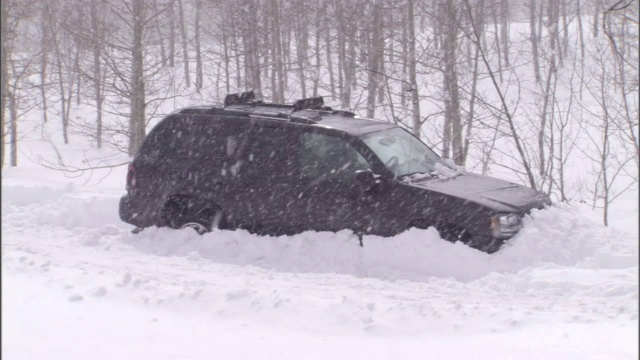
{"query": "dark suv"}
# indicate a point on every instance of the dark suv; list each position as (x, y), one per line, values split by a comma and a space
(283, 169)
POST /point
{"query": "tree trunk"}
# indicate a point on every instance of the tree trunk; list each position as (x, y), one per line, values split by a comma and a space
(452, 96)
(237, 55)
(44, 47)
(63, 99)
(375, 46)
(4, 53)
(581, 33)
(504, 30)
(316, 76)
(405, 62)
(13, 127)
(415, 99)
(199, 74)
(343, 84)
(277, 32)
(161, 39)
(497, 40)
(76, 76)
(470, 119)
(534, 40)
(255, 50)
(97, 71)
(172, 32)
(327, 41)
(185, 48)
(226, 59)
(565, 31)
(137, 120)
(543, 117)
(596, 17)
(301, 52)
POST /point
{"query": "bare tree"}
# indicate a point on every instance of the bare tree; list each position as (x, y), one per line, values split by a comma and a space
(185, 48)
(19, 99)
(5, 50)
(534, 40)
(375, 57)
(199, 72)
(505, 108)
(97, 78)
(453, 122)
(130, 63)
(625, 12)
(413, 87)
(44, 61)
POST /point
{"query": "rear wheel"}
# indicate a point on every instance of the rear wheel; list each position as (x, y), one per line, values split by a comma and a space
(183, 214)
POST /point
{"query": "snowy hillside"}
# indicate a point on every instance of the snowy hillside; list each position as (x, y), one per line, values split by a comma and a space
(76, 284)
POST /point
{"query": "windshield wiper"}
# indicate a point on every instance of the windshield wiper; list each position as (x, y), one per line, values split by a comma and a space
(416, 176)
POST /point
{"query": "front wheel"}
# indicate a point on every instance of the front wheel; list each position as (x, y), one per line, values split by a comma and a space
(487, 244)
(454, 233)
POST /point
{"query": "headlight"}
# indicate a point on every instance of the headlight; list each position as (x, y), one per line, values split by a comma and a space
(505, 225)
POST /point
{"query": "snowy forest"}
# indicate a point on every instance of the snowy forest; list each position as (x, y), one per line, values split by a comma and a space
(545, 90)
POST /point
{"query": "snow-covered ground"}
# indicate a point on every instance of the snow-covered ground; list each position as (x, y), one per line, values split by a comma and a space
(76, 284)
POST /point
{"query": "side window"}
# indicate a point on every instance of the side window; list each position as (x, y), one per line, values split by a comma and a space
(221, 142)
(162, 138)
(197, 139)
(268, 153)
(323, 157)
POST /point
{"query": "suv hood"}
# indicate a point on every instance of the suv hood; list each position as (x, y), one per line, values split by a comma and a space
(497, 194)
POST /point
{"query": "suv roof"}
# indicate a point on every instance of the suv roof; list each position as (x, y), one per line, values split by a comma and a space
(310, 111)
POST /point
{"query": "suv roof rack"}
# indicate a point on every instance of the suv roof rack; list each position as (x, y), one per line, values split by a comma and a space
(249, 98)
(301, 110)
(239, 98)
(315, 103)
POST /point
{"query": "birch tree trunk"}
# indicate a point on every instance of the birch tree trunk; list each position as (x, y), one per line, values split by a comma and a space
(13, 127)
(172, 32)
(277, 31)
(44, 60)
(4, 76)
(97, 40)
(415, 100)
(374, 59)
(452, 96)
(138, 105)
(534, 40)
(199, 74)
(185, 48)
(504, 30)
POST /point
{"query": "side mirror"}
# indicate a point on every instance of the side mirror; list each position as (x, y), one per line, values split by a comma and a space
(365, 179)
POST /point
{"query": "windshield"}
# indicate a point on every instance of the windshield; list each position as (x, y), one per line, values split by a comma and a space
(402, 152)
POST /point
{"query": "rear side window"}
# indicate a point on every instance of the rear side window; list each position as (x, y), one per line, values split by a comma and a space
(196, 138)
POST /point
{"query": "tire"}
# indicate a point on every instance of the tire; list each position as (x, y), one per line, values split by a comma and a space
(455, 233)
(487, 244)
(181, 213)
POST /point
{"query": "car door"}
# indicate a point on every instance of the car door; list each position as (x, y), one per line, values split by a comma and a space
(330, 198)
(265, 183)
